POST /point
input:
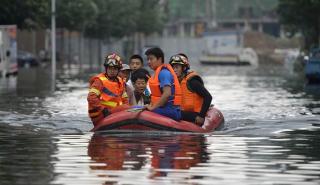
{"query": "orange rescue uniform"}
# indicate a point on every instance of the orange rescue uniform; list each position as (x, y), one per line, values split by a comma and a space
(105, 94)
(191, 101)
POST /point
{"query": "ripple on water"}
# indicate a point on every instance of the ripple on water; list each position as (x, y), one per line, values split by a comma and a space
(270, 137)
(134, 159)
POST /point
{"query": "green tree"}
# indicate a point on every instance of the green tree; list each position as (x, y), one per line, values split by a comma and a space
(115, 19)
(74, 15)
(119, 18)
(150, 17)
(302, 16)
(26, 14)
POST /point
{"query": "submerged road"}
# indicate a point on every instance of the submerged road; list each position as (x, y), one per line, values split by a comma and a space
(270, 137)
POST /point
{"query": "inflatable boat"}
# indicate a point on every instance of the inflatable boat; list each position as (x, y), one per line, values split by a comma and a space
(143, 120)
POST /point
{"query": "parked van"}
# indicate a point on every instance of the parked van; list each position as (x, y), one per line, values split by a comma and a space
(8, 50)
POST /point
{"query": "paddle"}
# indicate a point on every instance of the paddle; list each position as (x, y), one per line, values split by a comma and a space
(136, 109)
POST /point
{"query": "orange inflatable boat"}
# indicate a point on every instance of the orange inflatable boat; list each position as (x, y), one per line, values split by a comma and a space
(136, 119)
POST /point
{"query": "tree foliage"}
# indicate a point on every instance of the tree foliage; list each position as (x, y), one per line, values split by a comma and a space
(26, 14)
(150, 17)
(75, 14)
(302, 16)
(97, 18)
(115, 18)
(118, 18)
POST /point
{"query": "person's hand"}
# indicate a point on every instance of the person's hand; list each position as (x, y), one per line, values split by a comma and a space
(148, 107)
(199, 121)
(106, 112)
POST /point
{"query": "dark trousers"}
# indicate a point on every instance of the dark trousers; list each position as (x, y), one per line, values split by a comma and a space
(189, 116)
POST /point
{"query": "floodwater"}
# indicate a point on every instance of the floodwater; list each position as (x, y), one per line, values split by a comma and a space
(271, 134)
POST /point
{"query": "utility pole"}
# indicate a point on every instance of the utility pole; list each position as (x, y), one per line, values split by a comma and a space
(213, 13)
(53, 42)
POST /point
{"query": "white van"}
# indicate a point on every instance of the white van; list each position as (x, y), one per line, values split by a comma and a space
(8, 50)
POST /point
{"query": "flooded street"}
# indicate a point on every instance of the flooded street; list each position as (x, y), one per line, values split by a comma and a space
(271, 134)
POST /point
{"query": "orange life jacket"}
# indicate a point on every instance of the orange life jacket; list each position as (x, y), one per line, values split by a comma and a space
(191, 101)
(112, 92)
(154, 85)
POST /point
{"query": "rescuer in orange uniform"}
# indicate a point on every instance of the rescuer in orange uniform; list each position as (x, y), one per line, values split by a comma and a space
(107, 91)
(196, 99)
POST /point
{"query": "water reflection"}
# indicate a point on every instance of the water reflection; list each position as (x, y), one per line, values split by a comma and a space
(290, 157)
(305, 143)
(132, 152)
(25, 155)
(313, 89)
(34, 82)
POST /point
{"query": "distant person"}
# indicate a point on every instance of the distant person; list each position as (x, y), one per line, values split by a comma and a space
(196, 99)
(140, 79)
(107, 90)
(8, 54)
(42, 55)
(164, 86)
(124, 73)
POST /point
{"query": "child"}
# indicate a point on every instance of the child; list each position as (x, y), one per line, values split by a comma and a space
(139, 80)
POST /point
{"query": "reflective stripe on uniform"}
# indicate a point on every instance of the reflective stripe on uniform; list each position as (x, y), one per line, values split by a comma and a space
(109, 103)
(95, 91)
(124, 95)
(108, 92)
(94, 114)
(102, 78)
